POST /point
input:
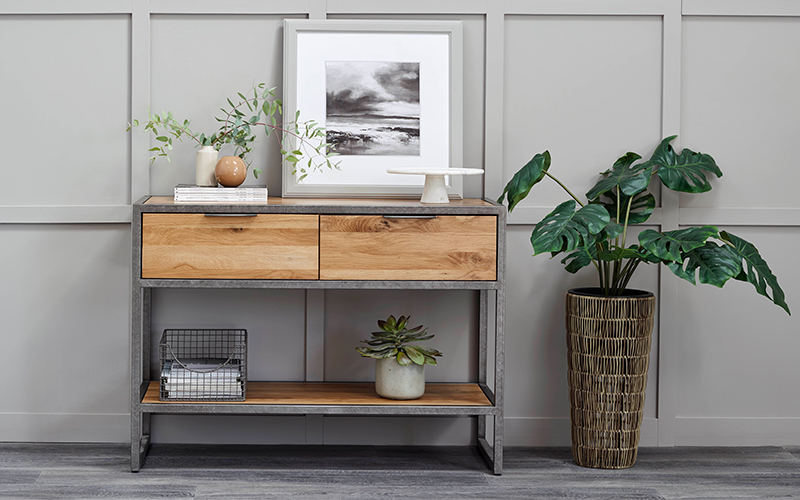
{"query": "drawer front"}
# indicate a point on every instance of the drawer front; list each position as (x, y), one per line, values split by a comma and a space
(378, 248)
(195, 246)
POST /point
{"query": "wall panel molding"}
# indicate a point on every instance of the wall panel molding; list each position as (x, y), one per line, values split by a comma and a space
(753, 8)
(737, 431)
(411, 6)
(65, 214)
(580, 8)
(784, 217)
(553, 431)
(65, 427)
(61, 7)
(230, 7)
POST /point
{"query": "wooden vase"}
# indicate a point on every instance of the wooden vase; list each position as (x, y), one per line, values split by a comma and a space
(608, 351)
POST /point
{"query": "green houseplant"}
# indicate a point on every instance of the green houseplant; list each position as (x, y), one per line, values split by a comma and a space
(257, 107)
(399, 368)
(609, 326)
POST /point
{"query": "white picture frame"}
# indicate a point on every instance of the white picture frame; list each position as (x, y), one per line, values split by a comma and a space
(315, 50)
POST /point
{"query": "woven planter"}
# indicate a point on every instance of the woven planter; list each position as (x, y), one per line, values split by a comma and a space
(608, 351)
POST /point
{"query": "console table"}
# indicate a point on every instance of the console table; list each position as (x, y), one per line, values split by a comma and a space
(295, 243)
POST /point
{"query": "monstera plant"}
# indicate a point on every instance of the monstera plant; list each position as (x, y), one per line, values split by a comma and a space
(609, 327)
(594, 232)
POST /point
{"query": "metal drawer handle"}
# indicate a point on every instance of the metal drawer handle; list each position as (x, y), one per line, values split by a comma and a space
(409, 216)
(230, 215)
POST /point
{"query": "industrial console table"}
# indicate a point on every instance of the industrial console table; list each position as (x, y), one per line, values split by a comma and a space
(294, 243)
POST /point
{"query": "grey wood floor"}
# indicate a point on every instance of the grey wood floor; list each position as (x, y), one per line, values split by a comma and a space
(57, 471)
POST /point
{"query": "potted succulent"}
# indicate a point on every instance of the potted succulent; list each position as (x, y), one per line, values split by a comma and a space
(399, 367)
(258, 107)
(609, 326)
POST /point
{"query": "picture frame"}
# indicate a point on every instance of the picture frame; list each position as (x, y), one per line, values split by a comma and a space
(388, 92)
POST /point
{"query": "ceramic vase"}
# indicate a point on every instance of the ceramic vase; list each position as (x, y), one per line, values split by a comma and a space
(394, 381)
(205, 164)
(230, 171)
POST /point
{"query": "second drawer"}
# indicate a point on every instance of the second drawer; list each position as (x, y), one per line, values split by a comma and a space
(368, 247)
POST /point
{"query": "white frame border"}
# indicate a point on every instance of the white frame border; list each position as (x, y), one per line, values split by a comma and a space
(452, 28)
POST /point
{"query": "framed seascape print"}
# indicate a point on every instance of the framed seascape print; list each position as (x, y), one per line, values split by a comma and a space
(389, 94)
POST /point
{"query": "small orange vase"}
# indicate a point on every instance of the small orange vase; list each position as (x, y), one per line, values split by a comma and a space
(230, 171)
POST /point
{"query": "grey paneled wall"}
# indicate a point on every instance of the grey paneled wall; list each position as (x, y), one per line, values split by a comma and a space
(587, 80)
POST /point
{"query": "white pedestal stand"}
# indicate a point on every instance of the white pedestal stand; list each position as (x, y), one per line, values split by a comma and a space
(435, 190)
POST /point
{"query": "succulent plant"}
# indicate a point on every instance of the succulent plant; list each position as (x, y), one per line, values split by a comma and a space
(392, 340)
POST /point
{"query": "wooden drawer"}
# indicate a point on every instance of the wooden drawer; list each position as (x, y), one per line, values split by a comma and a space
(196, 246)
(364, 247)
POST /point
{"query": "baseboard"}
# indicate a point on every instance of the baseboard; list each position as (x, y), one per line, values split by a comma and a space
(65, 427)
(727, 431)
(527, 431)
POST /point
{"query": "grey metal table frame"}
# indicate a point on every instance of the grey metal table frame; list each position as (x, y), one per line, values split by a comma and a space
(490, 418)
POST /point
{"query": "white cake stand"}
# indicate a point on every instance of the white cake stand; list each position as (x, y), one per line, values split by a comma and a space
(435, 191)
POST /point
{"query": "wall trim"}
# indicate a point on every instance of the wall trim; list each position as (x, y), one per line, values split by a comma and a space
(785, 217)
(65, 214)
(752, 8)
(553, 431)
(65, 427)
(745, 431)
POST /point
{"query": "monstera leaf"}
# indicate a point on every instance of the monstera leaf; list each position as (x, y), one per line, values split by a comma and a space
(619, 253)
(673, 245)
(564, 229)
(754, 269)
(642, 207)
(629, 178)
(520, 185)
(683, 172)
(580, 258)
(717, 264)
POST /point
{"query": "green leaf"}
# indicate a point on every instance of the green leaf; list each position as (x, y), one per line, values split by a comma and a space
(717, 264)
(520, 185)
(611, 231)
(642, 207)
(564, 229)
(673, 245)
(428, 351)
(619, 253)
(580, 258)
(755, 269)
(415, 355)
(402, 359)
(162, 138)
(629, 178)
(684, 172)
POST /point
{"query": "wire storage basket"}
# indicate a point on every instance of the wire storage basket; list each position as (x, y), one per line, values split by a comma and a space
(608, 354)
(203, 365)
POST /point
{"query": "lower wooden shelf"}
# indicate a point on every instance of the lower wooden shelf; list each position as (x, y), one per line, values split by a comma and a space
(335, 393)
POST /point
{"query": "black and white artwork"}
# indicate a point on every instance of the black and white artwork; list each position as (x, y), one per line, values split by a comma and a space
(373, 108)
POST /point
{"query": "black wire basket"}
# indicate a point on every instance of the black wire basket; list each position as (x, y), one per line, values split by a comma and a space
(203, 365)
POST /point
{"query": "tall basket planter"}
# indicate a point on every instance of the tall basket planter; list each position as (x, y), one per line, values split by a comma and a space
(608, 350)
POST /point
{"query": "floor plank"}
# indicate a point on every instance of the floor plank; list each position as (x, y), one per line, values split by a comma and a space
(66, 471)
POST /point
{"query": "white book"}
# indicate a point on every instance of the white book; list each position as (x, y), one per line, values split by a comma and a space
(189, 193)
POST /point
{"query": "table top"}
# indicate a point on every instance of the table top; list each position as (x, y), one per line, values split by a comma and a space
(434, 171)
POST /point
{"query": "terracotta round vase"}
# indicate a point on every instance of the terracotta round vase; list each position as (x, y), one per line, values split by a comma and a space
(230, 171)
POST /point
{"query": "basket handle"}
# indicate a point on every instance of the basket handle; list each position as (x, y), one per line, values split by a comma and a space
(201, 371)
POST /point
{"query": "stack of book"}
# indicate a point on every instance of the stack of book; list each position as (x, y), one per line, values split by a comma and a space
(202, 380)
(189, 193)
